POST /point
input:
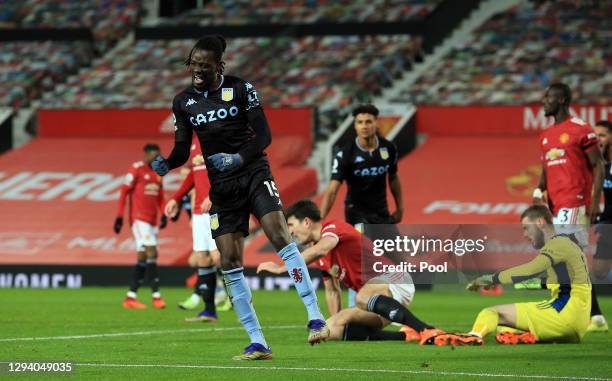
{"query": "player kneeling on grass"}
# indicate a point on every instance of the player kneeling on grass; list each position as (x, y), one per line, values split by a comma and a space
(563, 318)
(336, 250)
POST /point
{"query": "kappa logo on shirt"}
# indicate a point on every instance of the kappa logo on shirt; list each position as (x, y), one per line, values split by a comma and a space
(359, 159)
(190, 102)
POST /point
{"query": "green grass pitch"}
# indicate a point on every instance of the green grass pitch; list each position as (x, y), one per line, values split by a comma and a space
(89, 327)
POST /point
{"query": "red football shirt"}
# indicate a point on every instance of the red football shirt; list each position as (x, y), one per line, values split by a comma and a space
(144, 188)
(198, 178)
(344, 260)
(569, 177)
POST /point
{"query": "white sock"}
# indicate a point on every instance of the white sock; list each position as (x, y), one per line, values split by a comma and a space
(475, 334)
(156, 295)
(599, 319)
(131, 294)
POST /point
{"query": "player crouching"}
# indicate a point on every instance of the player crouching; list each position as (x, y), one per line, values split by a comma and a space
(562, 319)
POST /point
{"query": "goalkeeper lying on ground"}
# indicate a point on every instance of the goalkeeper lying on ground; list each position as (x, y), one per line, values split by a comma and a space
(563, 318)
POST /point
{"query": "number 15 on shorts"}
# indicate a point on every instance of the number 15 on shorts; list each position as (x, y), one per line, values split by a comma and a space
(271, 186)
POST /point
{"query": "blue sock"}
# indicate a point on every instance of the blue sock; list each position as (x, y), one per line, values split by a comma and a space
(241, 296)
(301, 279)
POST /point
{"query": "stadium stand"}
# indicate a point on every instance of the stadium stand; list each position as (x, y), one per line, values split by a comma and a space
(287, 71)
(109, 19)
(29, 69)
(240, 12)
(518, 52)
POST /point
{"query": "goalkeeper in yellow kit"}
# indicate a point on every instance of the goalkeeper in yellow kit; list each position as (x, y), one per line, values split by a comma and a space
(563, 318)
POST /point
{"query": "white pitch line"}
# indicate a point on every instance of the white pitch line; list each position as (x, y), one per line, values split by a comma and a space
(142, 333)
(348, 370)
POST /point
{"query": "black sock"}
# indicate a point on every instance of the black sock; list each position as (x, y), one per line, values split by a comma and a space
(207, 277)
(391, 309)
(594, 304)
(153, 274)
(138, 275)
(358, 332)
(198, 284)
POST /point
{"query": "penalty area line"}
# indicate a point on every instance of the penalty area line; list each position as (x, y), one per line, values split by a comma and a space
(141, 333)
(347, 370)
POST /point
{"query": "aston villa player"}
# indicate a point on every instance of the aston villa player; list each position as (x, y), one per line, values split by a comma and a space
(226, 114)
(143, 187)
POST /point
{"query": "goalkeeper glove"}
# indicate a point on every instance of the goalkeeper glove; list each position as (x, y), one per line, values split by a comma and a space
(225, 162)
(118, 224)
(485, 281)
(160, 165)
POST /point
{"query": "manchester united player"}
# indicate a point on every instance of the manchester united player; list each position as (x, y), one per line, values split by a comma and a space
(336, 248)
(226, 114)
(602, 260)
(144, 189)
(572, 168)
(207, 255)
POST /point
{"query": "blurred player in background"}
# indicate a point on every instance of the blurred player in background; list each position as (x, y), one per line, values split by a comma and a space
(572, 170)
(365, 164)
(563, 318)
(204, 247)
(336, 248)
(226, 114)
(602, 261)
(144, 189)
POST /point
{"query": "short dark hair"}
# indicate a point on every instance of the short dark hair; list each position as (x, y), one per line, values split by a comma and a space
(151, 147)
(303, 209)
(538, 211)
(214, 43)
(366, 109)
(605, 123)
(565, 90)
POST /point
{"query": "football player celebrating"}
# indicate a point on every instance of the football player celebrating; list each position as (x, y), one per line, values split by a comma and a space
(226, 114)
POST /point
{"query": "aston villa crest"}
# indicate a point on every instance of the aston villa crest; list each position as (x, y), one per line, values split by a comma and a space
(227, 94)
(384, 153)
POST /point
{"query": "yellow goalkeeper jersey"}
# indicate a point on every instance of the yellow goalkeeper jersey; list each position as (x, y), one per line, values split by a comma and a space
(565, 268)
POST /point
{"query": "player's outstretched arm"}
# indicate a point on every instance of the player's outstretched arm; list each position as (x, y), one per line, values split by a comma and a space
(178, 157)
(319, 250)
(271, 267)
(333, 295)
